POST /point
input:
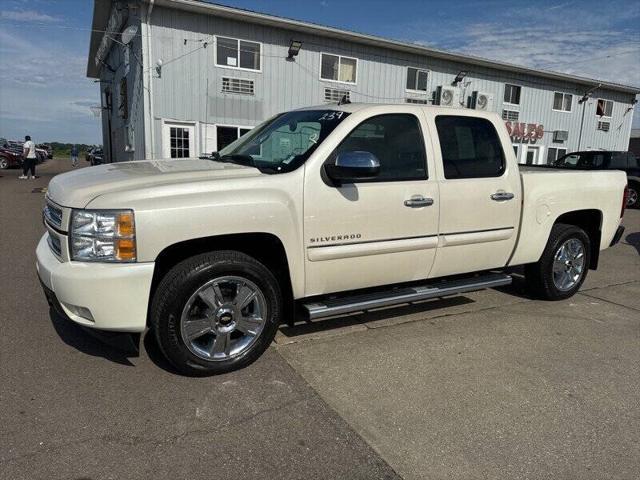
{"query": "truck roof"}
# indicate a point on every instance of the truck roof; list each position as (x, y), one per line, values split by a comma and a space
(390, 107)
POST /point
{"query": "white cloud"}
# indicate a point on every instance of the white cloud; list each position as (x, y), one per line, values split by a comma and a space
(28, 16)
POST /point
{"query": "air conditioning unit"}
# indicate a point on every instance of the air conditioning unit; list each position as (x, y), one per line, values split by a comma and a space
(560, 136)
(447, 97)
(483, 101)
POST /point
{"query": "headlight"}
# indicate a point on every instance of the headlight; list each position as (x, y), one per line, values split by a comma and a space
(102, 236)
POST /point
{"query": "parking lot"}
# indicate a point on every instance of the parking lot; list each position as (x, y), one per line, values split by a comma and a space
(486, 385)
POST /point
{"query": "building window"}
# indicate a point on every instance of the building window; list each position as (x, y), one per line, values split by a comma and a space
(417, 79)
(234, 53)
(470, 147)
(562, 101)
(604, 126)
(512, 94)
(338, 68)
(228, 134)
(335, 95)
(510, 115)
(604, 108)
(554, 154)
(179, 141)
(237, 85)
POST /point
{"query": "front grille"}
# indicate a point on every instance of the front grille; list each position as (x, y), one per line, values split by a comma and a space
(54, 244)
(53, 215)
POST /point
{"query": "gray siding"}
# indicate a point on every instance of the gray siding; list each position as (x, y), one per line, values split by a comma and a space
(134, 122)
(190, 87)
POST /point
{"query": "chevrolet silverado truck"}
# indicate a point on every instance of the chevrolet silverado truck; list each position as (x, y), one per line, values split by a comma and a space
(318, 212)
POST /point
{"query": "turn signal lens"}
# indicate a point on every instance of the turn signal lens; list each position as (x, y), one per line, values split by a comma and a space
(125, 249)
(124, 225)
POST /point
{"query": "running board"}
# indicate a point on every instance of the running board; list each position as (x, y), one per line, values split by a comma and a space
(368, 301)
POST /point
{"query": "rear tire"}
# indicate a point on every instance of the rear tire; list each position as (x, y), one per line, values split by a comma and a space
(563, 266)
(216, 312)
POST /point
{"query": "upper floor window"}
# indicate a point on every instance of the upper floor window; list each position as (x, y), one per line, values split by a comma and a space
(234, 53)
(604, 108)
(338, 68)
(562, 101)
(512, 94)
(417, 79)
(470, 147)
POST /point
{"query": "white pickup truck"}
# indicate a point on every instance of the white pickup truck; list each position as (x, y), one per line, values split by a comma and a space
(320, 211)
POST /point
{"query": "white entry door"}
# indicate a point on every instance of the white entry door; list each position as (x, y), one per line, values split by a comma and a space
(533, 155)
(178, 140)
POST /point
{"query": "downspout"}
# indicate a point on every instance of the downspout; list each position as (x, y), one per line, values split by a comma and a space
(584, 104)
(149, 109)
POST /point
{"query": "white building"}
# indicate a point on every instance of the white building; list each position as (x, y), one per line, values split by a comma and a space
(183, 77)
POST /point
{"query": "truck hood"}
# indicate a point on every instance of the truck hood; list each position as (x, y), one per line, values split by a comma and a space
(77, 188)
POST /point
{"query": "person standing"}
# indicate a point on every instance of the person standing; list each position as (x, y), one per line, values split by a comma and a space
(29, 161)
(74, 156)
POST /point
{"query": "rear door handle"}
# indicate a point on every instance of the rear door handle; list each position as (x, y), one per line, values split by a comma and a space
(501, 196)
(418, 201)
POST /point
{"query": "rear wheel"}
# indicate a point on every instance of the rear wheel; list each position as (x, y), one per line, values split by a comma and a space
(3, 163)
(564, 264)
(216, 312)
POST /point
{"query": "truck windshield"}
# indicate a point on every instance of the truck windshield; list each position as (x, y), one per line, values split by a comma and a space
(284, 142)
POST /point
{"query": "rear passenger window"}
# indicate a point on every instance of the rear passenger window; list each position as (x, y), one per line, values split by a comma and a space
(470, 147)
(396, 140)
(618, 160)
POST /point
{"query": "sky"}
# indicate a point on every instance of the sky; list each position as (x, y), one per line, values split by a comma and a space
(44, 44)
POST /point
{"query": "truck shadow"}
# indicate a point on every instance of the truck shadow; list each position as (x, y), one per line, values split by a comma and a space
(633, 239)
(302, 327)
(82, 340)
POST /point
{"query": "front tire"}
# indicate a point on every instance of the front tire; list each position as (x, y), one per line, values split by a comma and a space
(564, 264)
(216, 312)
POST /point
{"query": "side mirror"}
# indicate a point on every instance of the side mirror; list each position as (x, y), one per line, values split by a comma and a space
(353, 166)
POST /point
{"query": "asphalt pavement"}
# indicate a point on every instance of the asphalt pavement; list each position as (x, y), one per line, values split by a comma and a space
(486, 385)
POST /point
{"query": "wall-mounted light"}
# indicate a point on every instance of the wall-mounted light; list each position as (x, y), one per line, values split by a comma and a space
(461, 74)
(159, 68)
(588, 93)
(294, 49)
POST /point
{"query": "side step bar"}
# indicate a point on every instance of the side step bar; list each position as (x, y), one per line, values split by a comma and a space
(368, 301)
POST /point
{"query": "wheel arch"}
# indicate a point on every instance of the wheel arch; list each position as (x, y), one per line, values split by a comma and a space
(267, 248)
(589, 220)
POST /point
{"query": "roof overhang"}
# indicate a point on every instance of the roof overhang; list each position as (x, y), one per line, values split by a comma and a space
(101, 13)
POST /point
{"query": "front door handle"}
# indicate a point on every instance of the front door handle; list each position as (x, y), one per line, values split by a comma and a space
(501, 196)
(418, 201)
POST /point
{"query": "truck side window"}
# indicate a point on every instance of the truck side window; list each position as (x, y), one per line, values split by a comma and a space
(396, 140)
(470, 147)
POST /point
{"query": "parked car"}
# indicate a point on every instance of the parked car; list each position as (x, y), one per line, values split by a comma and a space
(331, 210)
(9, 158)
(47, 148)
(41, 154)
(97, 157)
(628, 162)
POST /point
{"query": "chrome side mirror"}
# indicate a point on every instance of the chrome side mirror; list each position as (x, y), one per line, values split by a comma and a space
(354, 166)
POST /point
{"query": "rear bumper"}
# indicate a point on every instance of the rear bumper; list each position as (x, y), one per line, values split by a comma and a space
(617, 236)
(96, 295)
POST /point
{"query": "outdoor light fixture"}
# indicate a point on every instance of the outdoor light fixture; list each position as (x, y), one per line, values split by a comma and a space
(588, 93)
(294, 49)
(159, 68)
(461, 74)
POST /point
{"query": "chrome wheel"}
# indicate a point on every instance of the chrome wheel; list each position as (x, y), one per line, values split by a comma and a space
(568, 264)
(632, 197)
(3, 163)
(223, 318)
